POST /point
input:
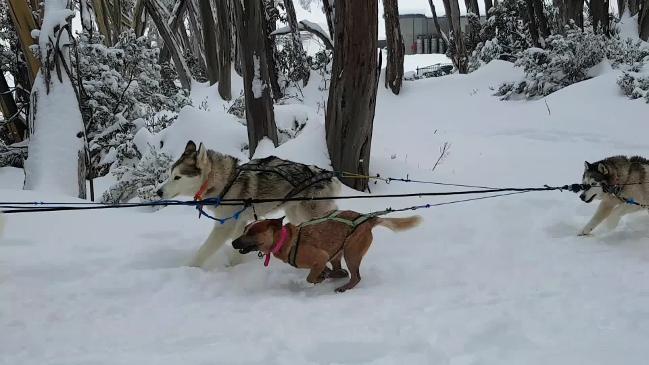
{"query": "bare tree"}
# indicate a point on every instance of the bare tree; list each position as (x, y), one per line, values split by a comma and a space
(436, 22)
(252, 40)
(352, 93)
(394, 68)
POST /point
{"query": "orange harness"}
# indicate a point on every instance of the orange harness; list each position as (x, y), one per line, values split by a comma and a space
(201, 191)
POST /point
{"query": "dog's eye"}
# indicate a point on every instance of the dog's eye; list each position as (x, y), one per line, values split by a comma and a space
(177, 178)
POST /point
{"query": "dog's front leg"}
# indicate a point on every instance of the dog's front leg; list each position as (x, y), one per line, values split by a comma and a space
(604, 210)
(220, 233)
(621, 210)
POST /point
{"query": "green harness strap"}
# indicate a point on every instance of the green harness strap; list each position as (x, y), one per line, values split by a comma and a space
(334, 217)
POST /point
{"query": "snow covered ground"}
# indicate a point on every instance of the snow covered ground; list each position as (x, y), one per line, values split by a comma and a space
(501, 281)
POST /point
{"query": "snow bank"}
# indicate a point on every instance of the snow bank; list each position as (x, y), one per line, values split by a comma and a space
(11, 178)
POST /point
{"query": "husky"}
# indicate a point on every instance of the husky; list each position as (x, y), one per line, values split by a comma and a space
(219, 175)
(613, 180)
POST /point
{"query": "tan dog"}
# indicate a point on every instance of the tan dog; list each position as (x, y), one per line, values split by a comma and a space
(313, 244)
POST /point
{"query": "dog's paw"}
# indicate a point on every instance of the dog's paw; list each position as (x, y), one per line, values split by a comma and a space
(338, 274)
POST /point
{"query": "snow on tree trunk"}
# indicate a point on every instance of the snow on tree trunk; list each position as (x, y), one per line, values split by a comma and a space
(352, 93)
(56, 162)
(394, 68)
(224, 39)
(209, 40)
(252, 39)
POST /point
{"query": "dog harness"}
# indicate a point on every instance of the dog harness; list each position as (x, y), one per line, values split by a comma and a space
(333, 216)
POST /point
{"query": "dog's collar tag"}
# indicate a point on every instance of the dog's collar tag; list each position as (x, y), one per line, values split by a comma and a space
(283, 237)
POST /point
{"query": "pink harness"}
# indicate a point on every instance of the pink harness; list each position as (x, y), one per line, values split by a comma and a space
(283, 237)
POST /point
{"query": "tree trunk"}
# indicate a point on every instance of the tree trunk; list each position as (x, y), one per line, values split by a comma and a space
(138, 24)
(267, 28)
(296, 41)
(575, 12)
(436, 22)
(352, 93)
(156, 10)
(643, 20)
(394, 67)
(488, 4)
(260, 116)
(460, 59)
(631, 5)
(24, 24)
(328, 8)
(541, 19)
(102, 17)
(224, 48)
(9, 110)
(473, 25)
(209, 40)
(532, 25)
(599, 13)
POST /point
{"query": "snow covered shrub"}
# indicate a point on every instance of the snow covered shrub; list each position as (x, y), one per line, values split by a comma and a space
(12, 156)
(627, 54)
(565, 61)
(503, 36)
(634, 85)
(124, 89)
(139, 180)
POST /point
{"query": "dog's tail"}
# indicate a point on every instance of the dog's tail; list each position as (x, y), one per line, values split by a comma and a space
(399, 224)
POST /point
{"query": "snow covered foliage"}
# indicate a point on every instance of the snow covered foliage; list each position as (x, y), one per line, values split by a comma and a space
(12, 156)
(635, 85)
(503, 36)
(140, 179)
(124, 89)
(565, 61)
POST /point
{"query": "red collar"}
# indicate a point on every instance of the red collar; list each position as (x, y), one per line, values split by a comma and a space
(201, 191)
(283, 238)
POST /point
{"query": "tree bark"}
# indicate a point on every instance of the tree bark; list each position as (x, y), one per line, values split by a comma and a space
(352, 93)
(24, 24)
(532, 25)
(575, 12)
(473, 25)
(541, 19)
(252, 38)
(643, 20)
(394, 67)
(224, 48)
(155, 10)
(209, 40)
(631, 5)
(296, 42)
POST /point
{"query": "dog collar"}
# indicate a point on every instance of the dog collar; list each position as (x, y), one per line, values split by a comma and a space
(283, 237)
(201, 190)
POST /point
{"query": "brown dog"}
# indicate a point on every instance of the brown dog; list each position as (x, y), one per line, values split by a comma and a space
(315, 243)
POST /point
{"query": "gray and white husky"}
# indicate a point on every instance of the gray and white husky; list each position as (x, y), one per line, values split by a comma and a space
(223, 176)
(613, 180)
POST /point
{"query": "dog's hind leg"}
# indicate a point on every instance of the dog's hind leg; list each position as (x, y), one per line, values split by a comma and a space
(337, 271)
(621, 210)
(357, 246)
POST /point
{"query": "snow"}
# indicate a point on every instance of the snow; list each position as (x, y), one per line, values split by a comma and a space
(258, 85)
(54, 146)
(500, 281)
(11, 178)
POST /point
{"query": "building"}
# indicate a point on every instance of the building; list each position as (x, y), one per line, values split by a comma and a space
(420, 35)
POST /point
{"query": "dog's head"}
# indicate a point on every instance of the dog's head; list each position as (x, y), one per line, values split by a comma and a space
(258, 236)
(595, 176)
(187, 173)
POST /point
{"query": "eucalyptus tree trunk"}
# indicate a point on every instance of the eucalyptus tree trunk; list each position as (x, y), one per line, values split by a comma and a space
(224, 48)
(643, 20)
(252, 39)
(352, 93)
(599, 13)
(24, 24)
(394, 67)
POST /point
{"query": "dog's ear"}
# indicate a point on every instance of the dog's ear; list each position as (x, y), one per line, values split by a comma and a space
(190, 148)
(279, 222)
(602, 169)
(201, 158)
(587, 165)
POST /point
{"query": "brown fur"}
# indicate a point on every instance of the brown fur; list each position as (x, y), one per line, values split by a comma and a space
(322, 243)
